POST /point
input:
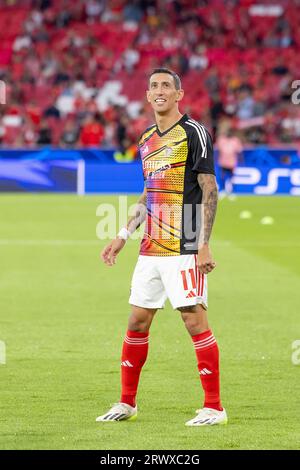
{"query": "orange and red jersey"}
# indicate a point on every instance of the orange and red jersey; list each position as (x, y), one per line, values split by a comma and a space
(171, 162)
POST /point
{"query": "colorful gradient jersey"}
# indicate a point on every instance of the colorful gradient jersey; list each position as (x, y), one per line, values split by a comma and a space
(171, 162)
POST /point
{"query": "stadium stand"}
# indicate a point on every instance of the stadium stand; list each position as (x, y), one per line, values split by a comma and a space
(75, 72)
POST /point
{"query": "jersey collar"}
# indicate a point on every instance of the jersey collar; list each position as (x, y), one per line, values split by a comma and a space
(182, 119)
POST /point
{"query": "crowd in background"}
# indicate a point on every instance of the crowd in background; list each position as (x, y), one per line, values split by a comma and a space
(76, 71)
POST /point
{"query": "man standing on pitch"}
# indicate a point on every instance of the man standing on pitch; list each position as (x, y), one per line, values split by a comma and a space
(179, 204)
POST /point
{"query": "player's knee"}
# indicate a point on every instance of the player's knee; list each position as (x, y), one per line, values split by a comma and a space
(138, 323)
(195, 322)
(191, 323)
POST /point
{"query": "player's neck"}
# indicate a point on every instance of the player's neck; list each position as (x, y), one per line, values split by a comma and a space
(165, 121)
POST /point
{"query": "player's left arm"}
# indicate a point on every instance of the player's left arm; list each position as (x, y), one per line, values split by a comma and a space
(202, 153)
(202, 157)
(208, 185)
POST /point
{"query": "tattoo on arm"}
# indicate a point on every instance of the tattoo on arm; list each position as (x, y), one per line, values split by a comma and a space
(209, 205)
(139, 215)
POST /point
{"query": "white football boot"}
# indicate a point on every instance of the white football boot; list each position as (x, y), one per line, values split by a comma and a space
(208, 417)
(119, 412)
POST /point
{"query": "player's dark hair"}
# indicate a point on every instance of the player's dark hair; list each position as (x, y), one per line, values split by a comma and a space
(176, 78)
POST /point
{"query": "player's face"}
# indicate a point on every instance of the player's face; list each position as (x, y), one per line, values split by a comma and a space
(162, 94)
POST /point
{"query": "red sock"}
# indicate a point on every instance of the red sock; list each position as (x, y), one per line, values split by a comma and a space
(207, 353)
(134, 355)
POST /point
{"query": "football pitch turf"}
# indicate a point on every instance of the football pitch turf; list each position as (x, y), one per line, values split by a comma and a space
(63, 315)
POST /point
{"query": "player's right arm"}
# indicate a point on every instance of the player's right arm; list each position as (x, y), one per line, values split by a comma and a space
(110, 252)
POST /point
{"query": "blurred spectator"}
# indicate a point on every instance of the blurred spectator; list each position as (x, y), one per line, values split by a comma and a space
(52, 111)
(44, 134)
(198, 59)
(229, 148)
(280, 68)
(245, 106)
(70, 135)
(127, 154)
(22, 42)
(94, 9)
(212, 81)
(130, 58)
(92, 132)
(216, 112)
(132, 12)
(121, 131)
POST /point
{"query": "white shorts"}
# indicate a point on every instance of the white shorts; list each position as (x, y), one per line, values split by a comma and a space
(177, 278)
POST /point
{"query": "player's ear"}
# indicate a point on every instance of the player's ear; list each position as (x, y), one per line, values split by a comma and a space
(180, 95)
(148, 96)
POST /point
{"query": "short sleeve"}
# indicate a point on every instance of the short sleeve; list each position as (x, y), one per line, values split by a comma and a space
(202, 152)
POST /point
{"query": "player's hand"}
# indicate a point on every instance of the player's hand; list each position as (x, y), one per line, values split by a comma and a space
(205, 260)
(111, 251)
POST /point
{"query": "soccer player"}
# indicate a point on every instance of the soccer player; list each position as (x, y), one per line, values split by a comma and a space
(229, 146)
(178, 204)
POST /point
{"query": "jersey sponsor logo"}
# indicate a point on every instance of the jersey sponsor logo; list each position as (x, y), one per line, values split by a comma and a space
(152, 174)
(154, 165)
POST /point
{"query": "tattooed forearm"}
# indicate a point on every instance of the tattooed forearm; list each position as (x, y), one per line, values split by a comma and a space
(209, 205)
(139, 215)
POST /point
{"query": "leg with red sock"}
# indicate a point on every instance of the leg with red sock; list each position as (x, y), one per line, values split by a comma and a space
(134, 355)
(207, 353)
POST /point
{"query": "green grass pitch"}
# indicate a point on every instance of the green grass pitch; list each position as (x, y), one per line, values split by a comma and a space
(63, 315)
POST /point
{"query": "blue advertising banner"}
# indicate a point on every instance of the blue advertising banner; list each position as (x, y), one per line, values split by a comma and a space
(38, 176)
(262, 171)
(267, 171)
(267, 181)
(120, 178)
